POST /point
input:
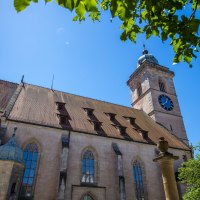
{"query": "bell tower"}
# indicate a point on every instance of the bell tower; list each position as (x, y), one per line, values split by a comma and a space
(153, 91)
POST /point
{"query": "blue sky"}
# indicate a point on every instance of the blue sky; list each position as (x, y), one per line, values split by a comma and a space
(86, 58)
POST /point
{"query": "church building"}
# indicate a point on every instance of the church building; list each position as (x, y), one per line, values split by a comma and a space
(60, 146)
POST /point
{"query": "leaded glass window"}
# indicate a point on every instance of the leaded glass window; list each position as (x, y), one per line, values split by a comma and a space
(30, 160)
(87, 197)
(138, 181)
(88, 168)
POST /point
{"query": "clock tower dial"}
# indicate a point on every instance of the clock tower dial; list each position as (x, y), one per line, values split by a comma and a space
(165, 102)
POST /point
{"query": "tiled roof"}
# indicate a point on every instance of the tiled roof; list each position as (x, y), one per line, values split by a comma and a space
(38, 105)
(7, 89)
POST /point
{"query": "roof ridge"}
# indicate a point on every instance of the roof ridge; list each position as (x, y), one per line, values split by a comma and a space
(1, 80)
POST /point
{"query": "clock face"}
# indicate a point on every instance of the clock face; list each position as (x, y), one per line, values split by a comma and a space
(166, 102)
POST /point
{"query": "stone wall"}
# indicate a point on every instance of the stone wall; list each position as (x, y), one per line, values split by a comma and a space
(106, 186)
(5, 175)
(49, 144)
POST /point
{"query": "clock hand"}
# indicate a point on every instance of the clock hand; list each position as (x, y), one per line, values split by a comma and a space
(165, 102)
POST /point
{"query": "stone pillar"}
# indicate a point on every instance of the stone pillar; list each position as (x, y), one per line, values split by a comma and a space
(166, 160)
(122, 192)
(11, 169)
(63, 167)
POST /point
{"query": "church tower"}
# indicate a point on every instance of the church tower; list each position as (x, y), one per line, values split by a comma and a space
(152, 90)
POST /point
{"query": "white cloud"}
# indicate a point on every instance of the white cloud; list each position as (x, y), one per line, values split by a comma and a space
(59, 30)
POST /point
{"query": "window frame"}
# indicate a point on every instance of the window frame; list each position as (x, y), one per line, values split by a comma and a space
(138, 162)
(33, 141)
(95, 157)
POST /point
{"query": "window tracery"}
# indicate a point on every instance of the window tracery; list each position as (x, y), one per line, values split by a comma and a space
(88, 168)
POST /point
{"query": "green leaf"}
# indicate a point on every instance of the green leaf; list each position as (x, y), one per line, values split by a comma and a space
(113, 8)
(21, 4)
(123, 36)
(187, 58)
(80, 11)
(155, 32)
(163, 36)
(95, 16)
(132, 36)
(69, 4)
(91, 5)
(121, 12)
(144, 13)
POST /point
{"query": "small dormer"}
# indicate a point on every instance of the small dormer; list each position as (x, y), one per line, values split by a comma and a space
(121, 129)
(111, 116)
(89, 111)
(60, 106)
(96, 125)
(62, 114)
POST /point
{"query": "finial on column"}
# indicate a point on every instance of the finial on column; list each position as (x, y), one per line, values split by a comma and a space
(145, 51)
(163, 145)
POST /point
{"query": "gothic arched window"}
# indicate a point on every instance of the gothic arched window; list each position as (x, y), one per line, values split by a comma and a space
(88, 168)
(30, 161)
(87, 197)
(138, 181)
(162, 86)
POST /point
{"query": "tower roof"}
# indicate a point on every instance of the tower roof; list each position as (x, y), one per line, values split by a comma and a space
(10, 151)
(146, 57)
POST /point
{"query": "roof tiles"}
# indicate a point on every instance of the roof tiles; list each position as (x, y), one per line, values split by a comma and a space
(38, 105)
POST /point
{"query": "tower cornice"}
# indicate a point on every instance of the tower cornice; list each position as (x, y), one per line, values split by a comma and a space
(146, 65)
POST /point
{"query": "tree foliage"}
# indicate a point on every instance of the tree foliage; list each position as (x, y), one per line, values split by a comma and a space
(165, 19)
(189, 174)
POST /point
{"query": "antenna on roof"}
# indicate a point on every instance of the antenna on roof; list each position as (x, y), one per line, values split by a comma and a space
(52, 82)
(22, 80)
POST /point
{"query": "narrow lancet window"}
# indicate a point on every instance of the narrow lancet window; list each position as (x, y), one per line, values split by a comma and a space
(139, 90)
(138, 181)
(88, 168)
(30, 161)
(162, 86)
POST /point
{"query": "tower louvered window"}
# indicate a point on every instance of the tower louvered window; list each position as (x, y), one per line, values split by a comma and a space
(88, 168)
(138, 181)
(30, 161)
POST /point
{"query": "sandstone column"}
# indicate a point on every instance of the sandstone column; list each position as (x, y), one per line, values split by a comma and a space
(166, 160)
(63, 167)
(122, 192)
